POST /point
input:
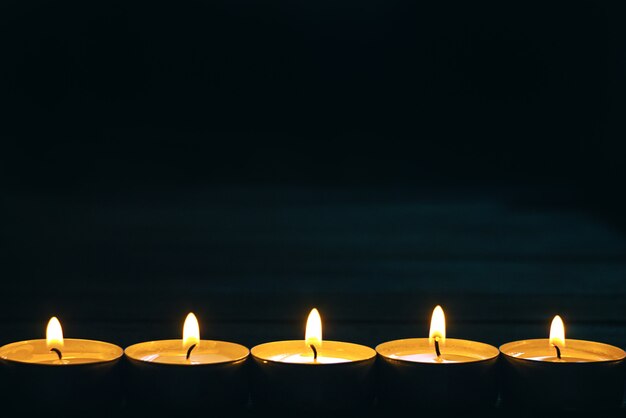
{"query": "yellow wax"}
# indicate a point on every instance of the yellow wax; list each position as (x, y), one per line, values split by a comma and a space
(563, 359)
(432, 358)
(75, 351)
(419, 350)
(307, 358)
(173, 352)
(575, 351)
(297, 352)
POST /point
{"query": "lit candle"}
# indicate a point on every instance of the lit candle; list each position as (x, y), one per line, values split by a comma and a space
(437, 371)
(564, 374)
(187, 372)
(73, 372)
(313, 373)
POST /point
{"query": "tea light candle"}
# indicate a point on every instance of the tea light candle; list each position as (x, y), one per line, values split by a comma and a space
(562, 374)
(73, 372)
(313, 373)
(437, 372)
(188, 372)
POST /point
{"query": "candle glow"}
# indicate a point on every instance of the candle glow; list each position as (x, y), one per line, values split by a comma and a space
(557, 333)
(313, 333)
(191, 331)
(437, 327)
(54, 334)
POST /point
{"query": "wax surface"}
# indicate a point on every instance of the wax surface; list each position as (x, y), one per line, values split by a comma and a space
(419, 350)
(563, 359)
(171, 357)
(297, 352)
(432, 358)
(75, 351)
(307, 358)
(173, 352)
(575, 351)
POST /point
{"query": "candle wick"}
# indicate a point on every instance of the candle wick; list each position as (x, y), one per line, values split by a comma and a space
(56, 350)
(558, 352)
(314, 352)
(190, 350)
(437, 347)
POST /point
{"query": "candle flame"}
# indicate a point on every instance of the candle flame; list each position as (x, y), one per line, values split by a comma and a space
(54, 334)
(191, 331)
(437, 327)
(557, 332)
(313, 334)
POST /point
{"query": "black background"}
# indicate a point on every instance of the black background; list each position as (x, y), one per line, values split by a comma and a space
(249, 160)
(101, 94)
(124, 94)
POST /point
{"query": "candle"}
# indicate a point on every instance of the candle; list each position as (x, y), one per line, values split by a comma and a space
(74, 373)
(437, 371)
(313, 373)
(188, 372)
(562, 374)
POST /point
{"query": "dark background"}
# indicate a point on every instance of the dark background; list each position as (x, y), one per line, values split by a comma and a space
(250, 159)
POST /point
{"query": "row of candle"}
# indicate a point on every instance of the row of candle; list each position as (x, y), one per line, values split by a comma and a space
(315, 373)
